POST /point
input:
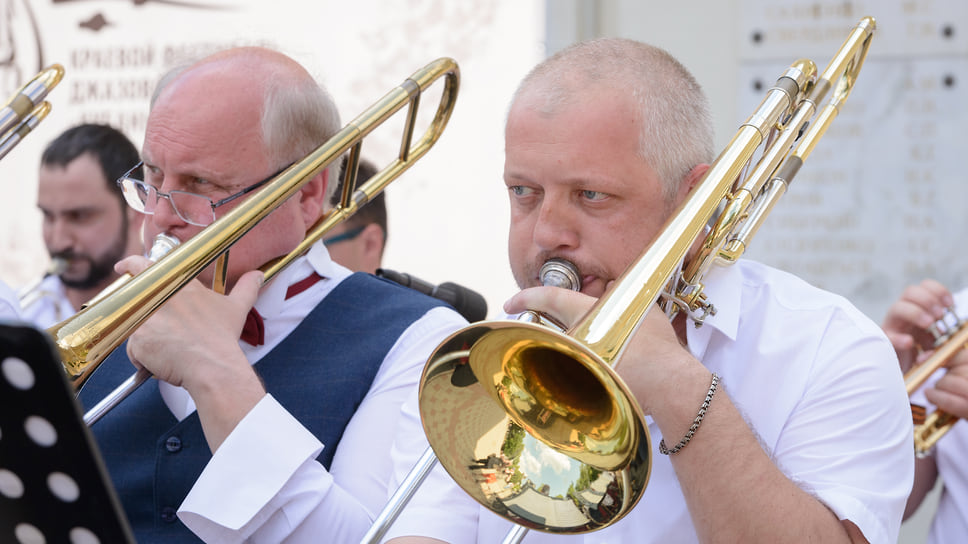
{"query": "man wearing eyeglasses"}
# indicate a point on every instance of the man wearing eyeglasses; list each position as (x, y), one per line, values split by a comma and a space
(325, 357)
(87, 227)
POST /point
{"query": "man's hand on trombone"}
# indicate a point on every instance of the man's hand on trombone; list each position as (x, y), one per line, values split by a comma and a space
(192, 341)
(908, 325)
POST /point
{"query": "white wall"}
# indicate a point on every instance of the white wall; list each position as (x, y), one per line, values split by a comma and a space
(879, 203)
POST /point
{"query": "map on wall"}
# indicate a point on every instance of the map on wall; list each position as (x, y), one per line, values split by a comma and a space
(880, 203)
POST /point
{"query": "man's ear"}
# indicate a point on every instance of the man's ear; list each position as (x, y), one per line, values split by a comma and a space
(312, 197)
(693, 177)
(373, 240)
(372, 236)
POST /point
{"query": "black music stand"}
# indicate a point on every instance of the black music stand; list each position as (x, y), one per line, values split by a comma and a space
(53, 484)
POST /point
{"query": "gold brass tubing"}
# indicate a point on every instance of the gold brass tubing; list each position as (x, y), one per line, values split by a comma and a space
(406, 94)
(27, 124)
(29, 96)
(839, 76)
(927, 434)
(640, 285)
(917, 375)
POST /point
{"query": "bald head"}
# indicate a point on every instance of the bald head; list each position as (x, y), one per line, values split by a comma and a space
(257, 65)
(672, 110)
(296, 114)
(218, 127)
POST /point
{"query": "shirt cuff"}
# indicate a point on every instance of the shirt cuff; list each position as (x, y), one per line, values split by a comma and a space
(247, 471)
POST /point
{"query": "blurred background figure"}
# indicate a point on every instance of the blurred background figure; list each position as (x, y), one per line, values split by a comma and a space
(358, 242)
(87, 226)
(923, 310)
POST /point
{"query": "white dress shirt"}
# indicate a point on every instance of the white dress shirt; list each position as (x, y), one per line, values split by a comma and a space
(264, 484)
(818, 382)
(49, 304)
(9, 304)
(950, 524)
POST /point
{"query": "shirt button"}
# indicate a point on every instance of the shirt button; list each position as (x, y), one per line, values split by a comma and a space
(168, 514)
(173, 444)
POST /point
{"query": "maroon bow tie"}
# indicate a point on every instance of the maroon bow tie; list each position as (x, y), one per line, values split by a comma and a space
(254, 331)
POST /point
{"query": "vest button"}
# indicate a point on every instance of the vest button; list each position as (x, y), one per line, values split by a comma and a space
(168, 514)
(173, 444)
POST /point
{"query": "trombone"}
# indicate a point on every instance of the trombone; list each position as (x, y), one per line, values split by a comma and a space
(951, 337)
(27, 108)
(531, 387)
(87, 338)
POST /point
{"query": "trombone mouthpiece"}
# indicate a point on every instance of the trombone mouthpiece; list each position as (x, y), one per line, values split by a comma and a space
(56, 266)
(560, 273)
(162, 245)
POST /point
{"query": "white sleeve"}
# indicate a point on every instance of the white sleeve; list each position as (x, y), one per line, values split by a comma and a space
(279, 492)
(851, 429)
(269, 447)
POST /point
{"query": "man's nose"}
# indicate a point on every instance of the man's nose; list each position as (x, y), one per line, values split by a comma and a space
(165, 217)
(555, 226)
(60, 235)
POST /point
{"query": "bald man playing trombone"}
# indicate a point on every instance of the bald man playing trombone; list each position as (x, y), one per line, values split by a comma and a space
(306, 371)
(782, 418)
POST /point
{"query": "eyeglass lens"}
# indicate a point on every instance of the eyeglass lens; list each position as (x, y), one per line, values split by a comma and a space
(192, 208)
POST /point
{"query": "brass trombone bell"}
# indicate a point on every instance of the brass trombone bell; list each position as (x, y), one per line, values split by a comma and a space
(556, 272)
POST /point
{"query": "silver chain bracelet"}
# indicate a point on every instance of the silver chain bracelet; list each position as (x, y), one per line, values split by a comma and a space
(695, 424)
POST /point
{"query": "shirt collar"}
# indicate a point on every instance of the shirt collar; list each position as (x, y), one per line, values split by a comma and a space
(317, 259)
